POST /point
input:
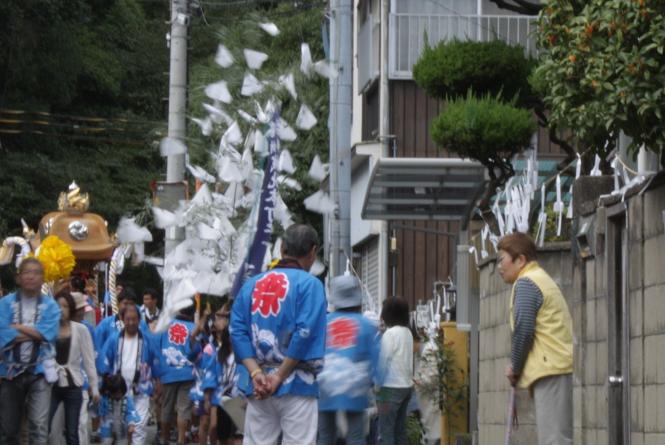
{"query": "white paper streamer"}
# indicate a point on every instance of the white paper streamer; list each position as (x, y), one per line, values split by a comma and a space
(317, 170)
(285, 163)
(483, 239)
(542, 219)
(306, 65)
(250, 85)
(171, 147)
(223, 58)
(217, 114)
(254, 59)
(558, 205)
(219, 91)
(325, 69)
(595, 171)
(163, 218)
(306, 119)
(270, 28)
(320, 202)
(232, 135)
(204, 124)
(285, 132)
(129, 232)
(288, 82)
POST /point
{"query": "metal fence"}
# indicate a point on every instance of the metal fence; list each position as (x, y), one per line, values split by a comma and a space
(407, 34)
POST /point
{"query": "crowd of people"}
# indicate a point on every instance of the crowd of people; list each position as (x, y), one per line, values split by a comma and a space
(280, 364)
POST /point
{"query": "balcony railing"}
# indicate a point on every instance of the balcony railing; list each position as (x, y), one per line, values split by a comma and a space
(408, 31)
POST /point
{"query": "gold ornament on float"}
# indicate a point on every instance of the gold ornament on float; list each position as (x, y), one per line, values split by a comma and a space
(73, 201)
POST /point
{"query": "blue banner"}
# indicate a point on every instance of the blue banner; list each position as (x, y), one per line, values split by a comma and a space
(257, 251)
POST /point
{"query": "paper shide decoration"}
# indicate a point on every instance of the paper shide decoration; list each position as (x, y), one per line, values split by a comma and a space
(228, 222)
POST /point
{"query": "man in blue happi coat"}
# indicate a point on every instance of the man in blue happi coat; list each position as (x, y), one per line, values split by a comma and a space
(29, 323)
(352, 354)
(113, 323)
(278, 330)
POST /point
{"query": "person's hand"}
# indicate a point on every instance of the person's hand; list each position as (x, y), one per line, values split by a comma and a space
(95, 399)
(130, 430)
(261, 386)
(274, 382)
(511, 376)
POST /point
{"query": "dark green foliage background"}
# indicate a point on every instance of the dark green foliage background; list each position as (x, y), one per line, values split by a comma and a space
(108, 58)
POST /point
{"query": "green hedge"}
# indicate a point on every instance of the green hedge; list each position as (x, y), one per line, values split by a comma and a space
(483, 128)
(453, 67)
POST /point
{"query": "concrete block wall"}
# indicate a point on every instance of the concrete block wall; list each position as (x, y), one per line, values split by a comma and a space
(647, 306)
(585, 285)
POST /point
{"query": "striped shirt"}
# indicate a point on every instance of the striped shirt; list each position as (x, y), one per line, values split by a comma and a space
(528, 300)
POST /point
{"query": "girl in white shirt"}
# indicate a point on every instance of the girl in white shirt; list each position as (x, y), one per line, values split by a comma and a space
(396, 372)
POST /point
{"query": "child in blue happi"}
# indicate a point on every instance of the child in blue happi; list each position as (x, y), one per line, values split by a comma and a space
(220, 379)
(203, 336)
(116, 411)
(177, 350)
(352, 353)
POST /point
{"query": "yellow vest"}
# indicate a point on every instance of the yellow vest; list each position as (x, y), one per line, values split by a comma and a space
(552, 350)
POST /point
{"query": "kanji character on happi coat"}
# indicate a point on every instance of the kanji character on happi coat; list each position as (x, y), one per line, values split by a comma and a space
(352, 353)
(177, 349)
(278, 328)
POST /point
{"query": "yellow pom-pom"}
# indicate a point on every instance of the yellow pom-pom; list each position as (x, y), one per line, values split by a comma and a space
(57, 258)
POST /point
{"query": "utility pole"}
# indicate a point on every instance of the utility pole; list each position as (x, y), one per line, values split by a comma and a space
(339, 126)
(177, 125)
(384, 138)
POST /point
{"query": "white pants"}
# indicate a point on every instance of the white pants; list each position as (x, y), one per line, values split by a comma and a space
(295, 417)
(142, 405)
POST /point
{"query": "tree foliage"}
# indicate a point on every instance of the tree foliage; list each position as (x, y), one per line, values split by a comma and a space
(97, 68)
(486, 116)
(603, 69)
(485, 129)
(452, 68)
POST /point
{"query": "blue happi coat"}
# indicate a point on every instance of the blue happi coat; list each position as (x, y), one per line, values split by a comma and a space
(202, 363)
(129, 416)
(109, 362)
(281, 313)
(222, 379)
(176, 352)
(47, 322)
(352, 354)
(112, 324)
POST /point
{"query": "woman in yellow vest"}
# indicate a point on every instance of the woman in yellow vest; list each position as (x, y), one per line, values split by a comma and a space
(542, 341)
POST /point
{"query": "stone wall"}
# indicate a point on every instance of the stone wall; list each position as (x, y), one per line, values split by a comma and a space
(585, 286)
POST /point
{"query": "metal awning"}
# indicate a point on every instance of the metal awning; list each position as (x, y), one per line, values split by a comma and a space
(423, 189)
